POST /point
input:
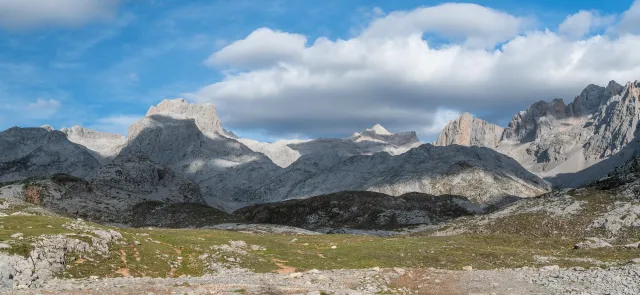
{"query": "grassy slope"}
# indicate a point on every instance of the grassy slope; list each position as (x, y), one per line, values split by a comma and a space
(157, 248)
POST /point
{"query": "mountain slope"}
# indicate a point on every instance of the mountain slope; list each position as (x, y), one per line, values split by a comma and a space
(38, 152)
(223, 167)
(360, 210)
(111, 192)
(481, 174)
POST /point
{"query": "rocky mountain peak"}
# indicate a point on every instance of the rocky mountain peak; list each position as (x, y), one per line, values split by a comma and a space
(378, 129)
(47, 127)
(205, 115)
(470, 131)
(377, 133)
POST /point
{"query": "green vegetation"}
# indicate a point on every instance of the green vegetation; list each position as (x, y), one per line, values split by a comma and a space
(172, 252)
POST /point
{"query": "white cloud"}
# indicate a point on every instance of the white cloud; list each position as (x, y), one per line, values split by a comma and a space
(260, 48)
(476, 25)
(42, 109)
(401, 81)
(441, 118)
(583, 22)
(21, 14)
(117, 124)
(43, 104)
(630, 22)
(39, 110)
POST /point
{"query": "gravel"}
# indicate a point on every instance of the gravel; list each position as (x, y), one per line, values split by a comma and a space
(621, 280)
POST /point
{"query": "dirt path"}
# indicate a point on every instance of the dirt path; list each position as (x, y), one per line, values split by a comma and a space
(124, 271)
(284, 269)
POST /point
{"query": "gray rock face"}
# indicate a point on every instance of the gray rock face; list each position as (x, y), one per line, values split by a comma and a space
(470, 131)
(111, 192)
(615, 123)
(554, 140)
(528, 125)
(36, 152)
(480, 174)
(223, 167)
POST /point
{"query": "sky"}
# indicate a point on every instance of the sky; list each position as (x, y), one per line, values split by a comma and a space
(279, 69)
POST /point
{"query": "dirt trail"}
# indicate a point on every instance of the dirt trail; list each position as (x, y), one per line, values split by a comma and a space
(284, 269)
(125, 270)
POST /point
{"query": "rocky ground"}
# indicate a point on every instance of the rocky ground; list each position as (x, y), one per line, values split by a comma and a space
(548, 280)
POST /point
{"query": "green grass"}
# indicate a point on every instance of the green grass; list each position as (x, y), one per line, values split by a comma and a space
(482, 251)
(508, 242)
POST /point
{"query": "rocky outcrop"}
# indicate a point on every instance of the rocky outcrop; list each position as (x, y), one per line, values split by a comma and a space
(616, 123)
(103, 146)
(470, 131)
(528, 125)
(39, 152)
(48, 257)
(361, 210)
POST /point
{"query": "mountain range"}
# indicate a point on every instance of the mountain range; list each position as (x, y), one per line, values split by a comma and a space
(568, 145)
(180, 153)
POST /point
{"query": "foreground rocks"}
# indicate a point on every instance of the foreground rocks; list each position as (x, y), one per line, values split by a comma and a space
(47, 257)
(621, 280)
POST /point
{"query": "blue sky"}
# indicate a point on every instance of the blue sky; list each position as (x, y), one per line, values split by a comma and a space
(102, 65)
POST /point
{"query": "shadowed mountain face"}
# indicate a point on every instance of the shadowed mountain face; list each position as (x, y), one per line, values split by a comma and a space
(34, 152)
(361, 210)
(223, 168)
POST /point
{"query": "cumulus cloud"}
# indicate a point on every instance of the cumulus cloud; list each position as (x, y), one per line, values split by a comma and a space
(261, 48)
(117, 124)
(476, 25)
(441, 118)
(390, 74)
(21, 14)
(630, 22)
(579, 24)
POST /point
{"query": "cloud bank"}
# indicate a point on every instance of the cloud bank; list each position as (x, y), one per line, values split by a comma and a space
(25, 14)
(493, 63)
